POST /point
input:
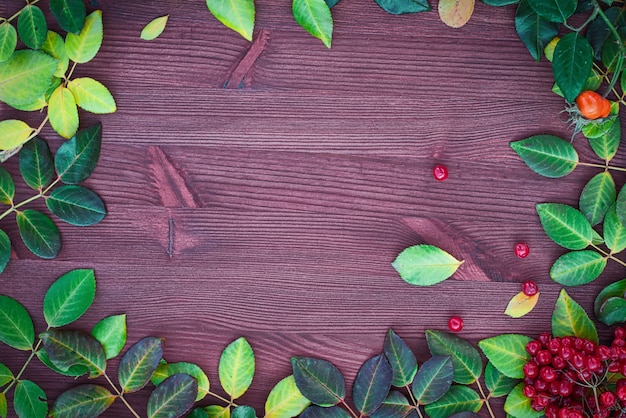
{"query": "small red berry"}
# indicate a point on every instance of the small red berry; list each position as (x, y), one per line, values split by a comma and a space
(548, 374)
(565, 388)
(455, 324)
(522, 250)
(620, 333)
(531, 370)
(593, 364)
(529, 391)
(544, 357)
(607, 399)
(621, 393)
(440, 172)
(530, 288)
(533, 347)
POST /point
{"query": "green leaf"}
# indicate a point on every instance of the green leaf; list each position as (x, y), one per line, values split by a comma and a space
(25, 76)
(154, 29)
(457, 399)
(39, 233)
(285, 400)
(614, 231)
(518, 405)
(139, 364)
(554, 10)
(36, 164)
(572, 64)
(83, 47)
(69, 348)
(319, 380)
(565, 225)
(468, 365)
(534, 31)
(92, 95)
(5, 250)
(315, 17)
(74, 371)
(82, 401)
(615, 291)
(497, 383)
(63, 112)
(433, 379)
(166, 370)
(32, 26)
(500, 2)
(612, 311)
(216, 411)
(598, 32)
(243, 411)
(332, 3)
(605, 146)
(29, 400)
(237, 15)
(173, 397)
(425, 265)
(6, 375)
(395, 405)
(4, 408)
(54, 46)
(397, 7)
(69, 13)
(76, 205)
(69, 297)
(7, 187)
(597, 196)
(111, 333)
(569, 318)
(620, 205)
(77, 158)
(8, 41)
(315, 411)
(401, 358)
(16, 326)
(13, 133)
(547, 155)
(507, 353)
(236, 368)
(577, 267)
(372, 384)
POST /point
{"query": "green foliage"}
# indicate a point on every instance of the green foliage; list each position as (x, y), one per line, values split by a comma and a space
(465, 357)
(154, 28)
(237, 15)
(425, 265)
(433, 379)
(319, 380)
(547, 155)
(314, 16)
(139, 364)
(507, 353)
(401, 359)
(397, 7)
(569, 318)
(372, 384)
(534, 31)
(236, 368)
(285, 400)
(69, 297)
(173, 397)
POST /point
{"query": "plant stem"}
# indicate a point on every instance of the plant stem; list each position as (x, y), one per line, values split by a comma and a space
(20, 11)
(120, 395)
(23, 369)
(609, 255)
(226, 401)
(584, 25)
(414, 401)
(349, 409)
(30, 199)
(620, 57)
(485, 398)
(603, 166)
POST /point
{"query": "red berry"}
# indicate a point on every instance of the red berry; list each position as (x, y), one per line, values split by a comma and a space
(607, 399)
(565, 388)
(544, 337)
(603, 352)
(548, 374)
(578, 361)
(589, 347)
(593, 364)
(566, 352)
(621, 393)
(544, 357)
(533, 347)
(620, 333)
(522, 250)
(541, 385)
(558, 362)
(551, 411)
(455, 324)
(553, 345)
(530, 288)
(529, 391)
(440, 172)
(531, 370)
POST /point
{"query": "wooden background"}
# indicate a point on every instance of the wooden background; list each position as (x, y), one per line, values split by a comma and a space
(263, 190)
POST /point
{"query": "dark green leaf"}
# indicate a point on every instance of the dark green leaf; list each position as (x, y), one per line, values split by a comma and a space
(572, 64)
(32, 26)
(612, 311)
(166, 370)
(315, 17)
(466, 359)
(16, 326)
(285, 400)
(554, 10)
(69, 348)
(620, 205)
(243, 411)
(139, 363)
(465, 414)
(7, 187)
(569, 318)
(76, 205)
(500, 2)
(25, 77)
(425, 265)
(69, 13)
(5, 250)
(547, 155)
(332, 3)
(319, 380)
(433, 379)
(29, 400)
(534, 31)
(497, 383)
(598, 32)
(39, 233)
(111, 332)
(172, 398)
(82, 401)
(614, 231)
(74, 371)
(457, 399)
(397, 7)
(578, 267)
(372, 384)
(6, 375)
(236, 368)
(395, 405)
(8, 41)
(507, 353)
(616, 289)
(315, 411)
(565, 225)
(598, 194)
(401, 358)
(610, 56)
(77, 158)
(69, 297)
(605, 146)
(36, 163)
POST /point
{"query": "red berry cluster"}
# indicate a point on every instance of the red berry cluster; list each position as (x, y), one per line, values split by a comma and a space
(567, 377)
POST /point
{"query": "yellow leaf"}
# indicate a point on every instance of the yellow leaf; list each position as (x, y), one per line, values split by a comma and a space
(521, 304)
(155, 28)
(83, 47)
(92, 95)
(13, 133)
(455, 13)
(63, 112)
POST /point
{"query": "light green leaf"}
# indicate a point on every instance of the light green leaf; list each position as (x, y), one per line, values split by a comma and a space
(216, 411)
(237, 15)
(605, 146)
(401, 359)
(455, 13)
(82, 401)
(83, 47)
(69, 13)
(16, 326)
(8, 41)
(565, 225)
(457, 399)
(54, 45)
(425, 265)
(315, 17)
(610, 305)
(111, 333)
(25, 76)
(154, 29)
(572, 63)
(14, 133)
(614, 231)
(63, 112)
(597, 196)
(32, 26)
(69, 348)
(397, 7)
(77, 158)
(433, 379)
(166, 370)
(5, 250)
(69, 297)
(92, 95)
(7, 187)
(236, 368)
(139, 363)
(497, 383)
(39, 233)
(319, 380)
(36, 164)
(29, 400)
(6, 375)
(518, 405)
(578, 267)
(554, 10)
(468, 365)
(4, 408)
(285, 400)
(372, 384)
(547, 155)
(569, 318)
(507, 353)
(173, 397)
(76, 205)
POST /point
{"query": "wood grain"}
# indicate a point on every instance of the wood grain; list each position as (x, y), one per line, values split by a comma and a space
(263, 189)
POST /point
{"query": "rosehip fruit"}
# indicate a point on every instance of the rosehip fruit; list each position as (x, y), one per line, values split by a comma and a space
(455, 324)
(522, 250)
(440, 172)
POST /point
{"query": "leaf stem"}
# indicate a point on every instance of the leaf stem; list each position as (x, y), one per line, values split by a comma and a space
(23, 369)
(485, 398)
(120, 395)
(620, 57)
(343, 402)
(28, 3)
(609, 255)
(221, 398)
(414, 401)
(584, 25)
(603, 166)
